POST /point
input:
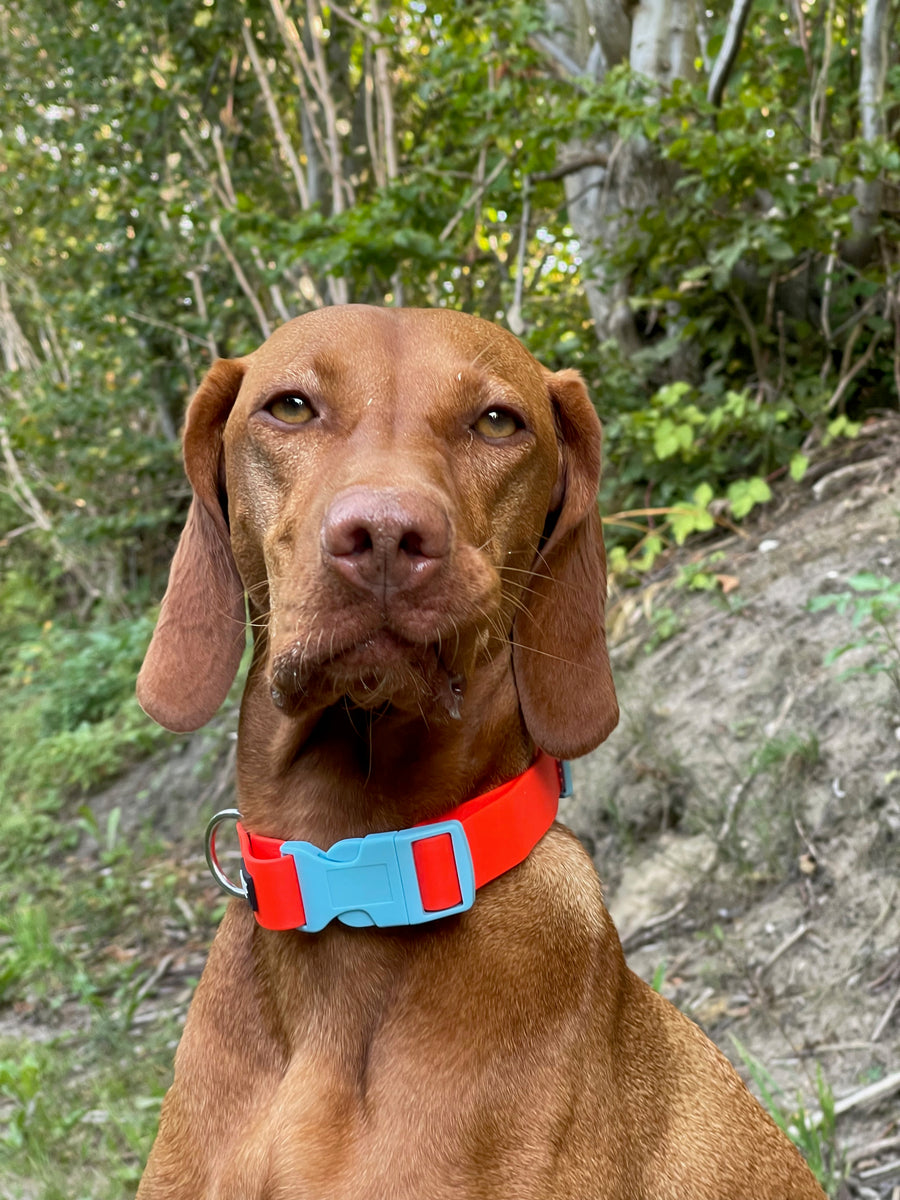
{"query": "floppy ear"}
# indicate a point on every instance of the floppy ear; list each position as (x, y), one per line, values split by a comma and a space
(560, 659)
(199, 638)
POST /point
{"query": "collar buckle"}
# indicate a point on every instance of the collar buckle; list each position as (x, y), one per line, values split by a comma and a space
(375, 880)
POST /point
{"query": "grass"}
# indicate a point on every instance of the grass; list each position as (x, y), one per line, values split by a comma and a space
(85, 1049)
(76, 1125)
(814, 1133)
(89, 914)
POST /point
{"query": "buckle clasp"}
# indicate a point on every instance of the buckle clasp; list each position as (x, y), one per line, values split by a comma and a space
(372, 880)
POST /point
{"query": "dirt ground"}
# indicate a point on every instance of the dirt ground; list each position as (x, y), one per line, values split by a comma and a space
(745, 815)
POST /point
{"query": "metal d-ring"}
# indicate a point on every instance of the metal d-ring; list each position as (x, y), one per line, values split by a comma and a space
(227, 814)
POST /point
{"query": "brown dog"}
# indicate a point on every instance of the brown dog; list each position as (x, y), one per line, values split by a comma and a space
(407, 501)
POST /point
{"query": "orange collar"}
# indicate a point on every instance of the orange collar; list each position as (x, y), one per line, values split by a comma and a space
(405, 877)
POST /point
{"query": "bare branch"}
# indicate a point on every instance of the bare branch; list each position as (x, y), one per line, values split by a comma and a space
(360, 26)
(284, 142)
(144, 320)
(819, 100)
(572, 166)
(17, 351)
(755, 348)
(190, 142)
(385, 102)
(200, 301)
(559, 56)
(514, 314)
(863, 361)
(731, 44)
(224, 172)
(243, 281)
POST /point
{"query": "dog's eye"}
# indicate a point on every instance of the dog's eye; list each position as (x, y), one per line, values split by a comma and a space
(497, 423)
(292, 410)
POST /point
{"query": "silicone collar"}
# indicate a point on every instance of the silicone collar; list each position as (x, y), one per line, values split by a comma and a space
(405, 877)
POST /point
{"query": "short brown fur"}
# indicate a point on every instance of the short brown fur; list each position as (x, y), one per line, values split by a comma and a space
(504, 1053)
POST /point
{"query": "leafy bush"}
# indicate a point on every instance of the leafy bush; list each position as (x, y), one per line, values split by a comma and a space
(68, 717)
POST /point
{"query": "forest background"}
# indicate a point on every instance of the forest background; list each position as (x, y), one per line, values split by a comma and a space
(698, 208)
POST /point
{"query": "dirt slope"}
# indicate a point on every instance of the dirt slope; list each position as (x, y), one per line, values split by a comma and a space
(745, 816)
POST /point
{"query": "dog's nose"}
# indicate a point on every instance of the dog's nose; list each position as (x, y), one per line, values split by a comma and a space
(385, 540)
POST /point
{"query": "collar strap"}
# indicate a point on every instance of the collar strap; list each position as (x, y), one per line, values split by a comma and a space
(404, 877)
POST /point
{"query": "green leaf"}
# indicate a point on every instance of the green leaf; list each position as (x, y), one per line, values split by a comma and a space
(745, 494)
(798, 466)
(671, 437)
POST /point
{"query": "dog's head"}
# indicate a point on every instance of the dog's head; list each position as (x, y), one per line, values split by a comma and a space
(401, 496)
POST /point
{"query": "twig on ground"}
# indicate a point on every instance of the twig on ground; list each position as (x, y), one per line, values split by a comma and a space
(886, 1016)
(791, 940)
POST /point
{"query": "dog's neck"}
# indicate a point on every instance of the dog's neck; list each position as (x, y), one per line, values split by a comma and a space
(327, 774)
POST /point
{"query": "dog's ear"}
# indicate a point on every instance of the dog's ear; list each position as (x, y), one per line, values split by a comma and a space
(199, 637)
(561, 665)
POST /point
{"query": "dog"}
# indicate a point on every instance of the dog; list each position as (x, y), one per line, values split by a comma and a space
(416, 992)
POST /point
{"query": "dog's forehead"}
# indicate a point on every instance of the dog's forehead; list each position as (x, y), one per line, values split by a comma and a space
(372, 347)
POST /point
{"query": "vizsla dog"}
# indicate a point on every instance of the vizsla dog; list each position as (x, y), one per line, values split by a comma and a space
(418, 993)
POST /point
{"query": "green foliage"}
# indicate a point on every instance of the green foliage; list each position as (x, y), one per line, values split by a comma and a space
(873, 607)
(81, 941)
(153, 219)
(72, 690)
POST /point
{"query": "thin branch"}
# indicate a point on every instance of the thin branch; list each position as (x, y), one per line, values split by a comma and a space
(731, 44)
(284, 142)
(861, 362)
(559, 56)
(274, 290)
(571, 166)
(191, 144)
(329, 109)
(224, 172)
(338, 286)
(802, 35)
(144, 320)
(385, 101)
(369, 119)
(17, 350)
(819, 100)
(474, 198)
(200, 301)
(755, 348)
(514, 314)
(360, 26)
(305, 75)
(826, 291)
(243, 281)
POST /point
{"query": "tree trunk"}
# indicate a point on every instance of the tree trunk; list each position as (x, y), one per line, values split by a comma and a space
(658, 39)
(873, 71)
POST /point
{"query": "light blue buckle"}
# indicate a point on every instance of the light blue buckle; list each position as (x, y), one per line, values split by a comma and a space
(372, 880)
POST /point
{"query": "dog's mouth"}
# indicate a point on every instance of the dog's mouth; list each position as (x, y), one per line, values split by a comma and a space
(380, 670)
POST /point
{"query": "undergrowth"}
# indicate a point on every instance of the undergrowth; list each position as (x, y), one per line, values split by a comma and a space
(86, 915)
